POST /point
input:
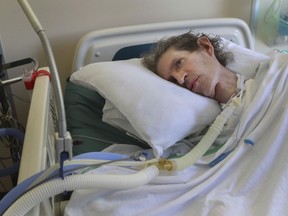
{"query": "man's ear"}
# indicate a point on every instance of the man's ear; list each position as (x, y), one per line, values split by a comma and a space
(206, 44)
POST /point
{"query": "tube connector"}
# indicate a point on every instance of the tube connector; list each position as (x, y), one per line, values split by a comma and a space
(236, 101)
(164, 164)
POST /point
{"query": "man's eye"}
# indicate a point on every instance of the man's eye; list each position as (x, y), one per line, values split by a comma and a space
(178, 63)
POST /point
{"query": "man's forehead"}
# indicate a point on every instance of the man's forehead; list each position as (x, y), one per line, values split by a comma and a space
(165, 61)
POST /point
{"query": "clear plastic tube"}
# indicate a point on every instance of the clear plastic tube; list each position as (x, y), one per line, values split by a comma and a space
(56, 186)
(199, 150)
(79, 162)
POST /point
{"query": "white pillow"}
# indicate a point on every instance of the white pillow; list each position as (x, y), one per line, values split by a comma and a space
(246, 61)
(113, 116)
(160, 112)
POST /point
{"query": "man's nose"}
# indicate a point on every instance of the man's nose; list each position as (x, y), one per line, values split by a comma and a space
(180, 77)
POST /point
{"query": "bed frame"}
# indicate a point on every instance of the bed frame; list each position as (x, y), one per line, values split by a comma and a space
(103, 45)
(39, 150)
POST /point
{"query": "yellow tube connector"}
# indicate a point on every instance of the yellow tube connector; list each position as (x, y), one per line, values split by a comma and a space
(163, 164)
(181, 163)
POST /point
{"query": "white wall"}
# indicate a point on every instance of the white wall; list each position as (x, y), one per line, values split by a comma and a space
(66, 20)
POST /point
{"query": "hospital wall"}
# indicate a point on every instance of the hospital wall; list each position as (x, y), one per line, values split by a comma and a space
(65, 21)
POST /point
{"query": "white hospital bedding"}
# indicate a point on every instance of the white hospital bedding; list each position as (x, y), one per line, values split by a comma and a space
(251, 181)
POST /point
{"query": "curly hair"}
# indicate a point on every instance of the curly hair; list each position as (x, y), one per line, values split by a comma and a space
(187, 42)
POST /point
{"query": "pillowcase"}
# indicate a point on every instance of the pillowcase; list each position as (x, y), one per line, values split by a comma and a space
(113, 116)
(246, 61)
(160, 112)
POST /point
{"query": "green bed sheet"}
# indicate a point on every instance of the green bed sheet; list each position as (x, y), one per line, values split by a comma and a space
(83, 109)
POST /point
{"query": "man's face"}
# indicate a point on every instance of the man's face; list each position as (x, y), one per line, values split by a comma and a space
(197, 71)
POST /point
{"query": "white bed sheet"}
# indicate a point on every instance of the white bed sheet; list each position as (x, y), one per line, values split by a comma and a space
(252, 180)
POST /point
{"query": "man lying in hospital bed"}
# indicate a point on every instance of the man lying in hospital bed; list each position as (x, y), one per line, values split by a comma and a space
(244, 172)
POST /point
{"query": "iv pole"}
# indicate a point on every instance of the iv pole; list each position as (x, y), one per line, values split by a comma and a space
(63, 138)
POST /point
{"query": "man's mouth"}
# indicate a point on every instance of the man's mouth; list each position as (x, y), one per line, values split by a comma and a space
(192, 85)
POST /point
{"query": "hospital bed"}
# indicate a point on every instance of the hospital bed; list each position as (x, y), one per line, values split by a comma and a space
(130, 42)
(121, 44)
